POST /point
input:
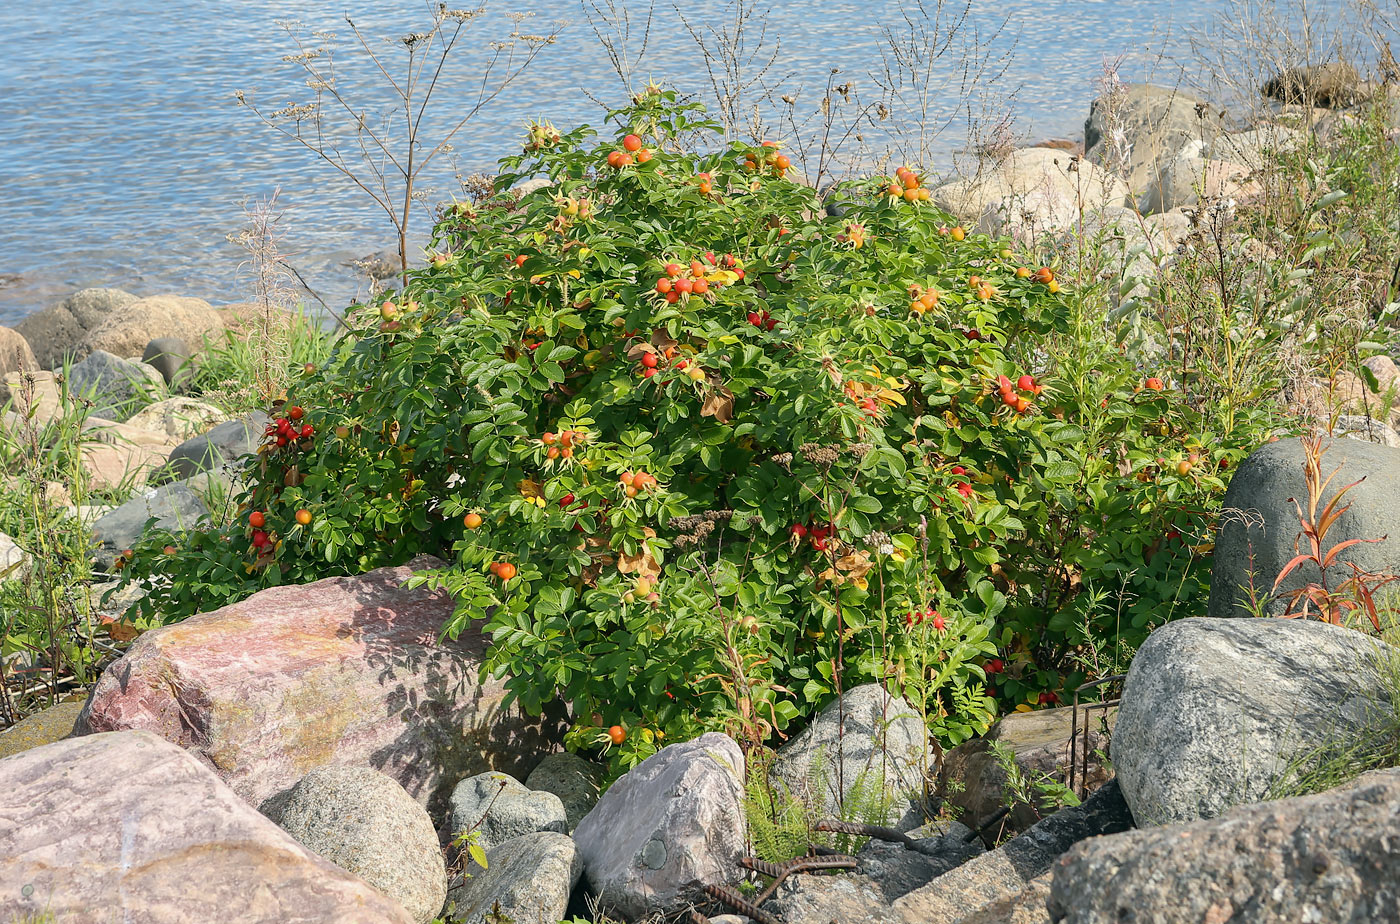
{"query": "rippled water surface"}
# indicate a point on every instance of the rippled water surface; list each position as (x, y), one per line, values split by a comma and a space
(125, 160)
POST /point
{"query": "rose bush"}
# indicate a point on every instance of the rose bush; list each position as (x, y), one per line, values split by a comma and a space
(700, 452)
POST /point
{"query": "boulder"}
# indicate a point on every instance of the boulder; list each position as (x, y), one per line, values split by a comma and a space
(866, 738)
(1133, 130)
(1004, 873)
(126, 332)
(177, 419)
(116, 387)
(1253, 545)
(346, 670)
(577, 782)
(1217, 712)
(527, 879)
(170, 356)
(39, 392)
(499, 807)
(14, 561)
(1258, 148)
(366, 824)
(1038, 745)
(217, 448)
(1367, 429)
(1030, 191)
(43, 727)
(1326, 858)
(670, 825)
(56, 332)
(1189, 180)
(15, 354)
(174, 506)
(1027, 906)
(130, 827)
(119, 467)
(1385, 371)
(1334, 85)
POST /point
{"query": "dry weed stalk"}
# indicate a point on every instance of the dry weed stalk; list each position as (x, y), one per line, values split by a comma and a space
(385, 159)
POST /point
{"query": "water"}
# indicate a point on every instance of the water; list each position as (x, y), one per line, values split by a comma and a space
(125, 159)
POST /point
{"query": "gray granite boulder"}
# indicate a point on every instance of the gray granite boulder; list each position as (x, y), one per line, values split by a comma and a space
(1002, 874)
(527, 879)
(117, 387)
(174, 506)
(364, 822)
(1216, 712)
(1259, 530)
(867, 738)
(577, 782)
(56, 332)
(216, 449)
(499, 807)
(170, 356)
(1328, 858)
(1131, 131)
(670, 825)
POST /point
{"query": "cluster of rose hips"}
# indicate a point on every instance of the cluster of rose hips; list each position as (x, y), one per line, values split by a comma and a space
(922, 298)
(778, 164)
(503, 570)
(983, 289)
(994, 666)
(817, 534)
(562, 445)
(1153, 384)
(1045, 276)
(762, 319)
(651, 360)
(391, 315)
(918, 618)
(1009, 392)
(906, 186)
(633, 483)
(289, 431)
(957, 232)
(676, 284)
(632, 153)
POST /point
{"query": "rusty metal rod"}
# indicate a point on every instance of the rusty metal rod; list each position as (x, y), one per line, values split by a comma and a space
(997, 816)
(737, 902)
(780, 871)
(833, 826)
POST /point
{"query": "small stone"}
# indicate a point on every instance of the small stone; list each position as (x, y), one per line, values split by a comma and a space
(529, 878)
(174, 506)
(170, 356)
(499, 807)
(364, 822)
(217, 448)
(116, 387)
(577, 783)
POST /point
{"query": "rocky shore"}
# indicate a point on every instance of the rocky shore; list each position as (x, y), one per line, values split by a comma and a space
(317, 752)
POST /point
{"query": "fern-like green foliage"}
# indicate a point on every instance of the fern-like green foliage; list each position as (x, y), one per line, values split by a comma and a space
(782, 824)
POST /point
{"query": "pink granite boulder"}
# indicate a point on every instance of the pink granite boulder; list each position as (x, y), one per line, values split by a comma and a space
(128, 827)
(345, 671)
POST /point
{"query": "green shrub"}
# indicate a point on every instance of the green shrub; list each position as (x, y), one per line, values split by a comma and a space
(713, 510)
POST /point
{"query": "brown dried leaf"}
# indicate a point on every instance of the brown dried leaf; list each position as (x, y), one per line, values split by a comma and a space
(719, 404)
(642, 564)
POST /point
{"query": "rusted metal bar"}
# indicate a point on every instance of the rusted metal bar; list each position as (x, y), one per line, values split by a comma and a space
(696, 917)
(1074, 732)
(997, 816)
(833, 826)
(780, 871)
(739, 904)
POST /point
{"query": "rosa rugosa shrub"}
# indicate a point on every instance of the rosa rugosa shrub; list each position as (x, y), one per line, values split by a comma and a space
(699, 453)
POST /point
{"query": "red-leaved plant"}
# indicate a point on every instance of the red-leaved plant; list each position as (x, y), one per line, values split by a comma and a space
(1357, 592)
